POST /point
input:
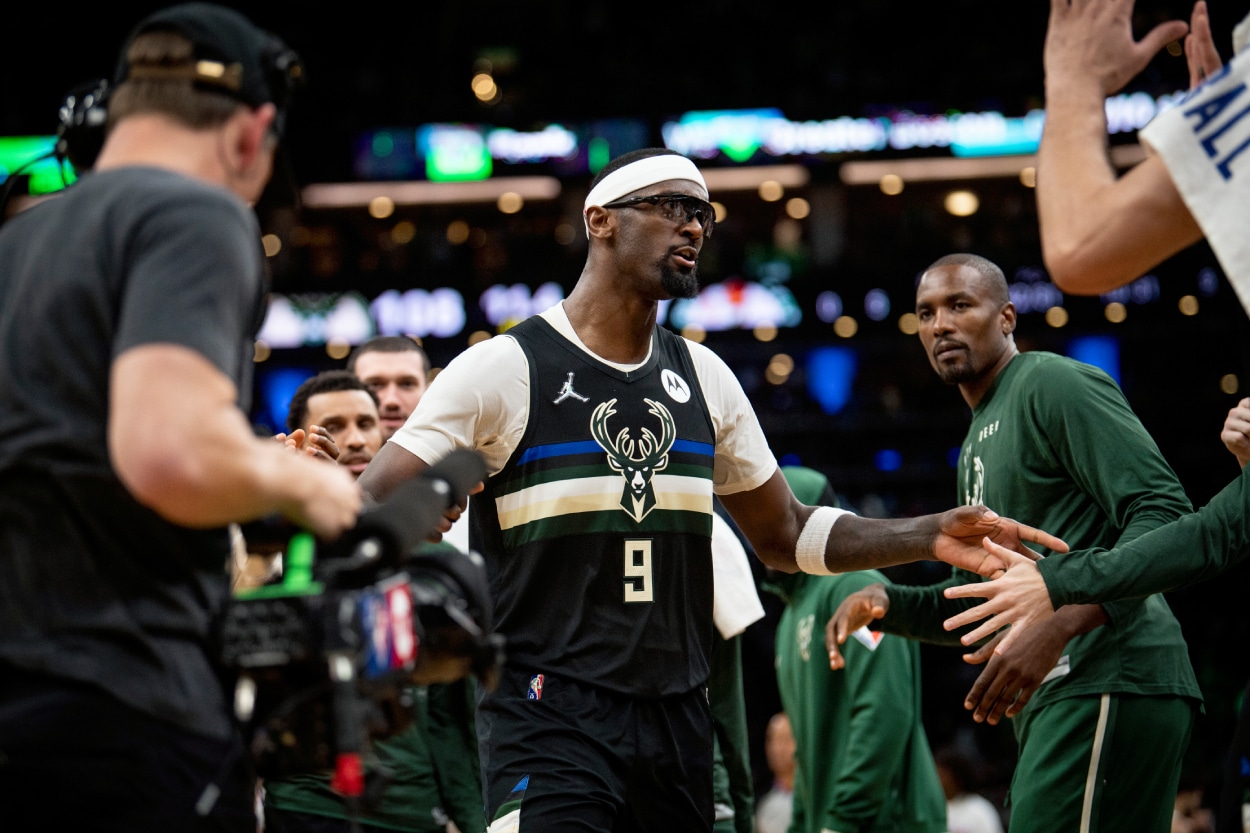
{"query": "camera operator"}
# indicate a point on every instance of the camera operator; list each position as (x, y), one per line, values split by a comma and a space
(128, 306)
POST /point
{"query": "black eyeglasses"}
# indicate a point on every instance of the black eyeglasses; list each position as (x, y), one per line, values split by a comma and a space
(676, 208)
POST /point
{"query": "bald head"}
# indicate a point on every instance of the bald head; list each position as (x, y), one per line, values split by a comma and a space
(992, 283)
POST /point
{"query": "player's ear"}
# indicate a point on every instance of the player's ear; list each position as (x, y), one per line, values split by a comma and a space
(1009, 318)
(599, 222)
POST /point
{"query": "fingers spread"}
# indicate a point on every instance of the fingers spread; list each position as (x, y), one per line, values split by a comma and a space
(986, 629)
(1037, 536)
(967, 617)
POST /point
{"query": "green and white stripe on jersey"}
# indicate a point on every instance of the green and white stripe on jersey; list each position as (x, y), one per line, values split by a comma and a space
(569, 489)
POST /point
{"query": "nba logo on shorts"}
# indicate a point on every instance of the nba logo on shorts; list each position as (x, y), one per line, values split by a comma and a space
(536, 688)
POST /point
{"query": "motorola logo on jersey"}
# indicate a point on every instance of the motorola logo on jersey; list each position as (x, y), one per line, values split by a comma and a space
(636, 461)
(675, 387)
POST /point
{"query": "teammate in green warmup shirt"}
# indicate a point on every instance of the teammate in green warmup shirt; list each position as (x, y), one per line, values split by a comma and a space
(1110, 694)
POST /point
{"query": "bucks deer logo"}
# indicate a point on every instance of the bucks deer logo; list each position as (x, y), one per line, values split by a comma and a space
(636, 461)
(974, 483)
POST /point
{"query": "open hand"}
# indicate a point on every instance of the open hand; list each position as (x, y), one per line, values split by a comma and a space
(319, 444)
(1092, 41)
(1018, 598)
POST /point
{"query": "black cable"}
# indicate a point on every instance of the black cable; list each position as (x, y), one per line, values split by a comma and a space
(7, 191)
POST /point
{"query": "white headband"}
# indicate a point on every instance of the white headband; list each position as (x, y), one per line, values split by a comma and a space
(640, 174)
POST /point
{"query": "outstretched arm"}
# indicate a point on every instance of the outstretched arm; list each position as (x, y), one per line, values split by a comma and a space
(182, 447)
(775, 522)
(391, 467)
(1099, 232)
(1186, 551)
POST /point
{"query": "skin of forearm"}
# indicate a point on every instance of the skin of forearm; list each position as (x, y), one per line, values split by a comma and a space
(1075, 620)
(866, 543)
(226, 475)
(1073, 166)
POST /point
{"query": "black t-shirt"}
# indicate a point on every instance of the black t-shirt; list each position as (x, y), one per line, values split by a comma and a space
(95, 587)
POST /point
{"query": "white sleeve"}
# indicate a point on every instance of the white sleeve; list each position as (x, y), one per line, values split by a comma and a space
(480, 401)
(458, 535)
(736, 603)
(1203, 142)
(743, 459)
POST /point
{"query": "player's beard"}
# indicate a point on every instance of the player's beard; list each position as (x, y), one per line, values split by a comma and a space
(958, 374)
(684, 284)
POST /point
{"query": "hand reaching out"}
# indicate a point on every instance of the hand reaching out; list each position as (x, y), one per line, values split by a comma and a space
(319, 444)
(856, 611)
(1092, 40)
(962, 530)
(1018, 598)
(328, 501)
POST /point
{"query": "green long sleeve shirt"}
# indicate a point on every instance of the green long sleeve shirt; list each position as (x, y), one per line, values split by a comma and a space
(1054, 444)
(1187, 551)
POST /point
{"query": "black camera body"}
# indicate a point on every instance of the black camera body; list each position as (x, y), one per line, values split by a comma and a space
(324, 663)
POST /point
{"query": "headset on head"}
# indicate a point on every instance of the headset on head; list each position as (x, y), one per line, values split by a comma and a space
(83, 114)
(83, 117)
(80, 125)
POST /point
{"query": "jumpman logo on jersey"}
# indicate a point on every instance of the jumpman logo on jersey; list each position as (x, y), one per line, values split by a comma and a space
(567, 391)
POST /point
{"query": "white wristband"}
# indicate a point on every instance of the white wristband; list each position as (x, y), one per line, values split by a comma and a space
(809, 552)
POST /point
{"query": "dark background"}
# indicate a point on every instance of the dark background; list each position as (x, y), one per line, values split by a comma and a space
(373, 65)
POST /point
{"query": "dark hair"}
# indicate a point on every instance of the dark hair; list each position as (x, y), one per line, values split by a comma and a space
(388, 344)
(327, 381)
(995, 280)
(628, 158)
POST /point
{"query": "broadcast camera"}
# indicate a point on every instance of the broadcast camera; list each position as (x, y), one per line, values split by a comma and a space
(323, 663)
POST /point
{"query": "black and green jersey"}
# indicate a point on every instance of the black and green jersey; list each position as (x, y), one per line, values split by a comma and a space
(597, 531)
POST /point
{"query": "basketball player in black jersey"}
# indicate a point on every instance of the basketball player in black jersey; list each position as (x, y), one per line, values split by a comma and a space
(606, 438)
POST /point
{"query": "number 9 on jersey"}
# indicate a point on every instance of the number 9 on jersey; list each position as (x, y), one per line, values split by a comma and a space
(638, 570)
